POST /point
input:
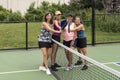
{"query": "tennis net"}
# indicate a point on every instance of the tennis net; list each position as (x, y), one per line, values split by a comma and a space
(96, 70)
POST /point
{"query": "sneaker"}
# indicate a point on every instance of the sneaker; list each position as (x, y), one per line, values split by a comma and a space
(53, 68)
(69, 67)
(42, 68)
(84, 67)
(48, 72)
(56, 65)
(78, 63)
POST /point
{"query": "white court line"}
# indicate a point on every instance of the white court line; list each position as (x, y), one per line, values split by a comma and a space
(33, 70)
(116, 63)
(21, 71)
(109, 63)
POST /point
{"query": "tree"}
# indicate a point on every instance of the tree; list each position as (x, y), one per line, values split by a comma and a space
(81, 4)
(15, 16)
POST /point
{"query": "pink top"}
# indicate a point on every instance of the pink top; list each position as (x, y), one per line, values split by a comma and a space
(68, 35)
(56, 28)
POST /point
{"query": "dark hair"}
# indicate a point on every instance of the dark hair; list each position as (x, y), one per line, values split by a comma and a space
(69, 14)
(45, 20)
(55, 17)
(81, 21)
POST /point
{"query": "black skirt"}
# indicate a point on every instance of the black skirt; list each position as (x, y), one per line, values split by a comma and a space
(57, 38)
(44, 44)
(67, 43)
(81, 42)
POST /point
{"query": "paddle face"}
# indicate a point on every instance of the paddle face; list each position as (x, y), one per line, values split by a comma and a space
(63, 23)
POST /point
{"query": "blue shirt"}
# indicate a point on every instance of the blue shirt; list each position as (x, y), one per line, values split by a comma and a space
(81, 34)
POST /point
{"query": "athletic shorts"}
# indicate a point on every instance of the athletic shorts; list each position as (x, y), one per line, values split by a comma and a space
(81, 42)
(57, 38)
(67, 43)
(44, 45)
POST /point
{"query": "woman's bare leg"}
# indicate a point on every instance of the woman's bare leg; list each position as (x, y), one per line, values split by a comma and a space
(45, 60)
(53, 54)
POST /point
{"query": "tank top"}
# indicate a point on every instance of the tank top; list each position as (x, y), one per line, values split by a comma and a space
(81, 34)
(56, 28)
(68, 35)
(45, 36)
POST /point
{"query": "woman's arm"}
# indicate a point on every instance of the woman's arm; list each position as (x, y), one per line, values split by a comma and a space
(75, 36)
(56, 24)
(75, 33)
(46, 26)
(77, 28)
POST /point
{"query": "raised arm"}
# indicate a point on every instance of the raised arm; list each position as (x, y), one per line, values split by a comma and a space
(75, 36)
(77, 28)
(75, 33)
(56, 24)
(46, 26)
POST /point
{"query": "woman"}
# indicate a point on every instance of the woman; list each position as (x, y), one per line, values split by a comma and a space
(81, 41)
(55, 36)
(45, 41)
(69, 38)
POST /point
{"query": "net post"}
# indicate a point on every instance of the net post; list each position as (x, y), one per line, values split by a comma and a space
(93, 23)
(26, 35)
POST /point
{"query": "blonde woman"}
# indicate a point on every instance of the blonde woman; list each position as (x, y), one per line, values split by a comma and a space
(55, 36)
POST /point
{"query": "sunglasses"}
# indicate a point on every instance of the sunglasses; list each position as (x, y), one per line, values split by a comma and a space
(58, 14)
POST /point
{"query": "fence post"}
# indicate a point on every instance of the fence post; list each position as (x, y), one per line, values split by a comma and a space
(93, 23)
(26, 35)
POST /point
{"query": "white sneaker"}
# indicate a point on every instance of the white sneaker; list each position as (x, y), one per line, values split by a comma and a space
(42, 68)
(48, 72)
(69, 67)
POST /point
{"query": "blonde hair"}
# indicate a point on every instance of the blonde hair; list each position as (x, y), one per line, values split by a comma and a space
(56, 13)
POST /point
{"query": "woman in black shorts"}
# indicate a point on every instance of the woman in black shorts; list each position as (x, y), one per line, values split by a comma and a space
(68, 40)
(45, 41)
(55, 36)
(81, 41)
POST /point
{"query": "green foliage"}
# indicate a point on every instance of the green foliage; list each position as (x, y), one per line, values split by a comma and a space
(2, 16)
(2, 9)
(80, 4)
(81, 8)
(8, 15)
(45, 5)
(29, 17)
(99, 4)
(15, 16)
(31, 8)
(108, 23)
(35, 14)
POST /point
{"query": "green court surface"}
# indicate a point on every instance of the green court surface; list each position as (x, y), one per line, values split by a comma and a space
(23, 64)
